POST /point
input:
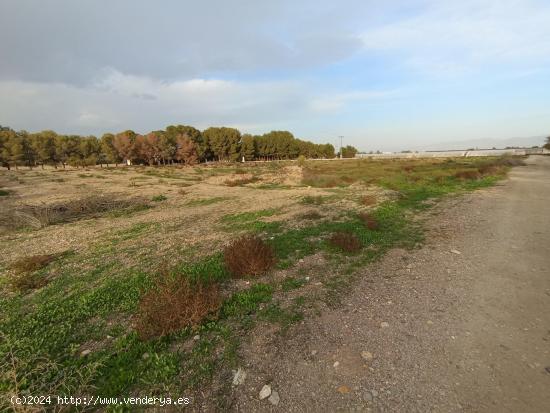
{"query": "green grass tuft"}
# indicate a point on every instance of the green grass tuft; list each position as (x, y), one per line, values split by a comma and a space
(248, 301)
(250, 221)
(159, 198)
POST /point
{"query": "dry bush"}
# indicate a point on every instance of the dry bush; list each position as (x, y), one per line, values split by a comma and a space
(469, 174)
(33, 263)
(345, 241)
(488, 170)
(369, 221)
(27, 282)
(311, 215)
(26, 278)
(368, 200)
(248, 255)
(242, 181)
(174, 304)
(38, 216)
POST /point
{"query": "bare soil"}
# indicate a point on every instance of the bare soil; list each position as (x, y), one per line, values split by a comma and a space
(460, 325)
(181, 221)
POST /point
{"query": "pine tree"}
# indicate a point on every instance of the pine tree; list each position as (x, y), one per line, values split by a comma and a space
(248, 147)
(44, 145)
(108, 152)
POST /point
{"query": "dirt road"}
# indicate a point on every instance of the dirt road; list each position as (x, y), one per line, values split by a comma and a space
(461, 325)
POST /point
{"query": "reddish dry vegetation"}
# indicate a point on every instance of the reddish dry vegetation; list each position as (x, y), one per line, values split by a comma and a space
(248, 255)
(489, 170)
(469, 174)
(345, 241)
(369, 221)
(175, 303)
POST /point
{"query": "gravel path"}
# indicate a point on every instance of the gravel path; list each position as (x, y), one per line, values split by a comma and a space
(461, 325)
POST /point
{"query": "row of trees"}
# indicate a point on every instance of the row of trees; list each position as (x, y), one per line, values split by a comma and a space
(176, 144)
(348, 152)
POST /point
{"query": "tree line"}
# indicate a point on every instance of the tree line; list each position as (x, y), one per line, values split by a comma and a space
(176, 144)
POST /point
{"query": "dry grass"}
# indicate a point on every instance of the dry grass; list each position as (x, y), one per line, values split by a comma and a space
(345, 241)
(369, 221)
(368, 200)
(38, 216)
(248, 255)
(26, 278)
(469, 174)
(34, 263)
(174, 304)
(311, 215)
(27, 281)
(511, 162)
(488, 170)
(242, 181)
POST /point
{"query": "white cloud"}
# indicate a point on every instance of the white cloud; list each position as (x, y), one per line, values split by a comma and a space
(338, 101)
(118, 101)
(457, 37)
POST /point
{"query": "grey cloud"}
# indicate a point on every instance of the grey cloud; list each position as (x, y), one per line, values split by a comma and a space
(71, 41)
(145, 96)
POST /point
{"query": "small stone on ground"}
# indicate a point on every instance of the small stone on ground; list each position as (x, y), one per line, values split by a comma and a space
(239, 377)
(274, 398)
(265, 392)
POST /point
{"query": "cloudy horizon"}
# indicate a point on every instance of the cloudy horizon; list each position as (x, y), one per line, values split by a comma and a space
(398, 76)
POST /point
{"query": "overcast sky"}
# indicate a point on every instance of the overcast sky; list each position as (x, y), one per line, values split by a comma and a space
(385, 76)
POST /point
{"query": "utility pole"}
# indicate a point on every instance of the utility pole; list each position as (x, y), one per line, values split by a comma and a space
(341, 137)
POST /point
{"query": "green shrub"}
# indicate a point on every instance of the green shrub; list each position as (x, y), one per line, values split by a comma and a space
(159, 198)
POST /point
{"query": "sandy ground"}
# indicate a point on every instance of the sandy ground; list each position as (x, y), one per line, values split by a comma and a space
(460, 325)
(179, 222)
